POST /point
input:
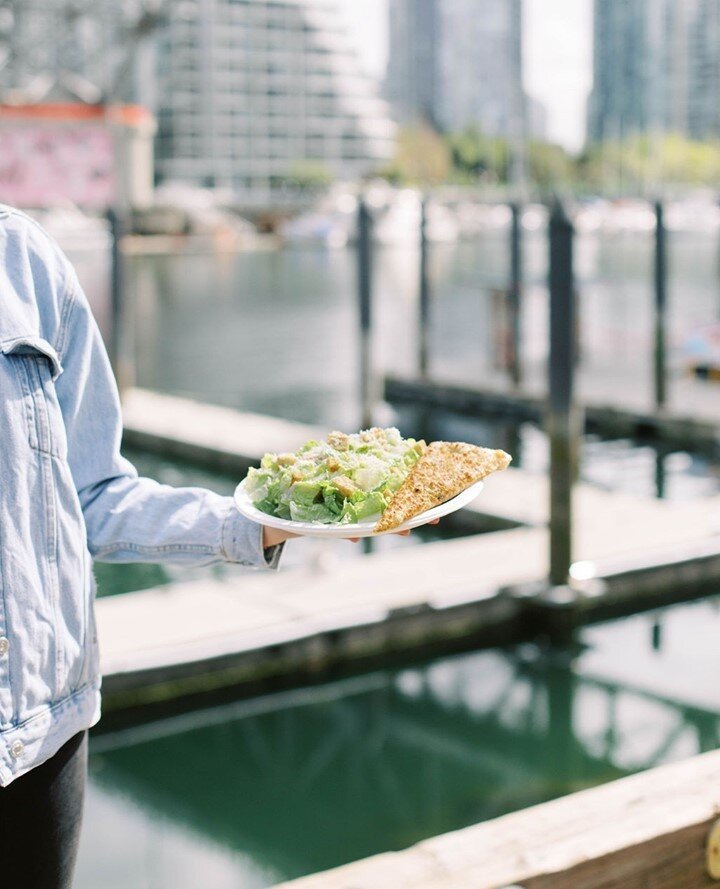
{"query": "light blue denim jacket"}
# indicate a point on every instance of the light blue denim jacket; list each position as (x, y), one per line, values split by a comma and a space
(67, 496)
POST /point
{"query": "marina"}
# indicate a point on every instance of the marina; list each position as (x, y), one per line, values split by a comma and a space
(339, 619)
(260, 790)
(490, 228)
(221, 327)
(484, 589)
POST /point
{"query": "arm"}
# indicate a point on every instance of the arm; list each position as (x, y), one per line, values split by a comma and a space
(132, 519)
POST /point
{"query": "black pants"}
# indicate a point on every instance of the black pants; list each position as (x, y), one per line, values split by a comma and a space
(40, 816)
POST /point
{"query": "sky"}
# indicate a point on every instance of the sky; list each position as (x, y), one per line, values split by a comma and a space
(557, 65)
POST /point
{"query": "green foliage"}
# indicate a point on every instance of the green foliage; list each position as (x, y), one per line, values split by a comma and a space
(637, 164)
(425, 157)
(478, 157)
(422, 157)
(643, 162)
(310, 174)
(550, 166)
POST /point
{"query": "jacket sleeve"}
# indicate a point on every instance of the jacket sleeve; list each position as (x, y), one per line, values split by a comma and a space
(128, 518)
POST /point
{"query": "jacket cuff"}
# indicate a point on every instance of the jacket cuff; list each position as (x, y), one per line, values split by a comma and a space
(242, 542)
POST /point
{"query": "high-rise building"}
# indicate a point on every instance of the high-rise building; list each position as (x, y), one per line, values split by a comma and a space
(248, 93)
(458, 64)
(411, 83)
(248, 90)
(656, 69)
(81, 49)
(703, 111)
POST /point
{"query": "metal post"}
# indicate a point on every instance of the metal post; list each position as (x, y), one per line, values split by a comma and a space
(562, 420)
(365, 300)
(424, 296)
(660, 307)
(515, 293)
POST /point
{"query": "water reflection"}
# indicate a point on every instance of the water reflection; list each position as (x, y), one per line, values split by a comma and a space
(305, 780)
(276, 330)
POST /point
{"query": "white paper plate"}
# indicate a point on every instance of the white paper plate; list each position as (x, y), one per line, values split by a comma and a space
(359, 529)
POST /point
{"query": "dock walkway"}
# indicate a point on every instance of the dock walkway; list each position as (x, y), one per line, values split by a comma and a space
(184, 638)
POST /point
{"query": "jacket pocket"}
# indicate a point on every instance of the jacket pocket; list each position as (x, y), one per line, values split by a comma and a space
(37, 366)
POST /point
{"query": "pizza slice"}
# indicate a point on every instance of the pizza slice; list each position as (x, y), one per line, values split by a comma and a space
(445, 469)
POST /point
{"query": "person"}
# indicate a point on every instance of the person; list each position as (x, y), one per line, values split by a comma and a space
(67, 496)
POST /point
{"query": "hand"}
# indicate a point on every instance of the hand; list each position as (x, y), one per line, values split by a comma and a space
(273, 536)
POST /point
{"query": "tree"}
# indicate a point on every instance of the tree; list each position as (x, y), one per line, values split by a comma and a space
(550, 166)
(479, 157)
(422, 157)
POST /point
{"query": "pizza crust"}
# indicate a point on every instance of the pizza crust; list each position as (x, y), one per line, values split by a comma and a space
(445, 469)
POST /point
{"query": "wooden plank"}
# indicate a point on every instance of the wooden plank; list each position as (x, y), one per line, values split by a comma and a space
(157, 628)
(211, 434)
(403, 600)
(647, 831)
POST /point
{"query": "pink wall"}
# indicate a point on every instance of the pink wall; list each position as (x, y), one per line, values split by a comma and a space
(47, 163)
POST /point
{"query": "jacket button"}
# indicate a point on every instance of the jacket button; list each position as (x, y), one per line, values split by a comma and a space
(17, 749)
(4, 645)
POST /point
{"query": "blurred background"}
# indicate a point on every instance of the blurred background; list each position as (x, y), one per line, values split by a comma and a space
(206, 165)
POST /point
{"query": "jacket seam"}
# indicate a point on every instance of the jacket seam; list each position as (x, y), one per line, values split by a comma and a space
(53, 708)
(222, 548)
(162, 548)
(65, 315)
(3, 578)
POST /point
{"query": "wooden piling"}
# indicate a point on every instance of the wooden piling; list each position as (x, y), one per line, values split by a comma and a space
(562, 416)
(515, 294)
(660, 280)
(424, 297)
(120, 341)
(364, 254)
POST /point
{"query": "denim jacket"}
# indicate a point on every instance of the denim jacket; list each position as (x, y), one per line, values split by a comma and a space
(67, 496)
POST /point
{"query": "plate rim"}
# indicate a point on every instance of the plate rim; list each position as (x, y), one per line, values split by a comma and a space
(244, 506)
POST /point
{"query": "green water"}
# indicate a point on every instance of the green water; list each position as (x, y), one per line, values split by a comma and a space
(258, 791)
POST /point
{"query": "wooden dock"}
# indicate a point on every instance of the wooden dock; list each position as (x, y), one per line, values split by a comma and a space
(269, 628)
(655, 830)
(691, 420)
(219, 437)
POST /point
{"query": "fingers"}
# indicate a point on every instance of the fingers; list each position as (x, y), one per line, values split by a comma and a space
(434, 522)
